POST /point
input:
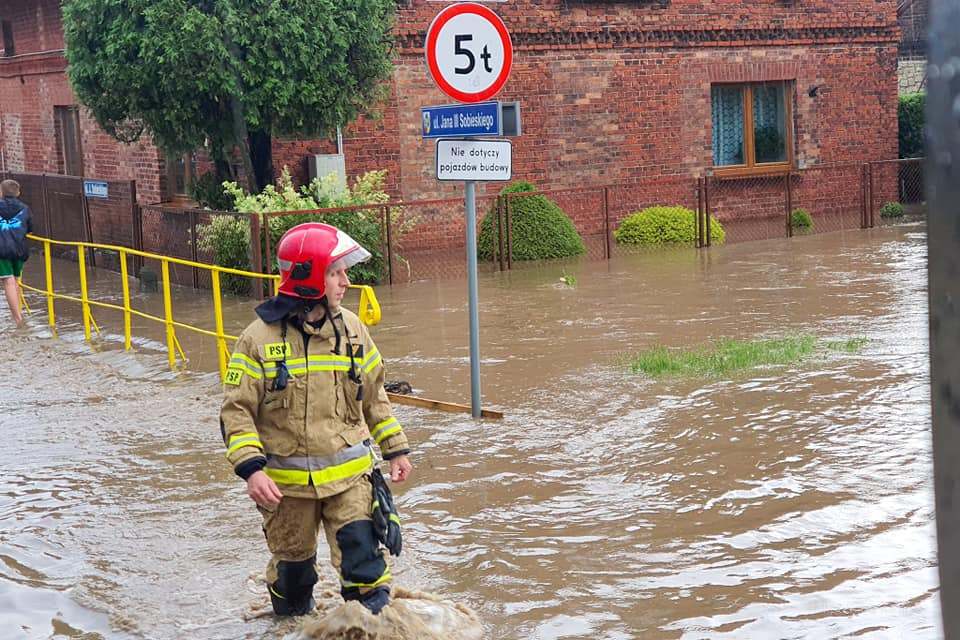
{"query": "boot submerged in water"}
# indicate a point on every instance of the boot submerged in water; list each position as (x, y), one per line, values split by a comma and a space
(376, 599)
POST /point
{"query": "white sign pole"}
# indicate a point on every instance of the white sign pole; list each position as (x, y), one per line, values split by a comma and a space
(472, 287)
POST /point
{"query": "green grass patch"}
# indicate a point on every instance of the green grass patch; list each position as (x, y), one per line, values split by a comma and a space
(853, 345)
(728, 356)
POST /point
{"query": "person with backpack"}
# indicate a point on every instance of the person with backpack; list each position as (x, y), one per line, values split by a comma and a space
(14, 227)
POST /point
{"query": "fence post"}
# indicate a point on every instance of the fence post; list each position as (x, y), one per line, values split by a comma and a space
(389, 226)
(193, 248)
(789, 204)
(863, 195)
(506, 201)
(256, 260)
(126, 301)
(48, 272)
(267, 243)
(87, 225)
(168, 313)
(870, 195)
(218, 321)
(706, 208)
(606, 222)
(500, 230)
(136, 215)
(84, 303)
(47, 223)
(700, 234)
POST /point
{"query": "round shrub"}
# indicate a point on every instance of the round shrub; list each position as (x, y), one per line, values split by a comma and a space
(800, 219)
(541, 229)
(664, 225)
(891, 210)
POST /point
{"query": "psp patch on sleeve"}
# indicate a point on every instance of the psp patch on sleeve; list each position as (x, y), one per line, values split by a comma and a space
(233, 377)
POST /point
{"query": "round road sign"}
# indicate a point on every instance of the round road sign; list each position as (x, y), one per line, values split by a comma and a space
(469, 52)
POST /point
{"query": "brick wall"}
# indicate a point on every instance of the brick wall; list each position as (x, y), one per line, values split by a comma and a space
(610, 93)
(607, 97)
(36, 24)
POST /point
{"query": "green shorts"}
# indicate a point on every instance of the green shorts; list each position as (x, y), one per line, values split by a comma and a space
(11, 268)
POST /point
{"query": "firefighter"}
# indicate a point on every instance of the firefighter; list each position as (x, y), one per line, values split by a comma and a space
(303, 404)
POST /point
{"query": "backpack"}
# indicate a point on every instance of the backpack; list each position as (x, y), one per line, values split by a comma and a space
(13, 234)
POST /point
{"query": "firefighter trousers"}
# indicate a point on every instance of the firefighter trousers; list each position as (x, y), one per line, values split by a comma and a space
(292, 527)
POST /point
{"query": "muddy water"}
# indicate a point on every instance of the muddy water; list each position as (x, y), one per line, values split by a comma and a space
(786, 503)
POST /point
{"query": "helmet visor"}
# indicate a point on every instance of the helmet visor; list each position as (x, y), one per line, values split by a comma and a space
(357, 255)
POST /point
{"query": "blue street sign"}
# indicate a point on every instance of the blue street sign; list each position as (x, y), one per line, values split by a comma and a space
(95, 189)
(453, 120)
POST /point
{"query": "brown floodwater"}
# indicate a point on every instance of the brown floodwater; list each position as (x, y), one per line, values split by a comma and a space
(787, 502)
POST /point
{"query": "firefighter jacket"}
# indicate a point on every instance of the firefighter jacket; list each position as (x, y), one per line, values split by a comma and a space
(312, 437)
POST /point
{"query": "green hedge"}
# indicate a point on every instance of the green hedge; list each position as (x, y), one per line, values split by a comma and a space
(541, 229)
(664, 225)
(911, 121)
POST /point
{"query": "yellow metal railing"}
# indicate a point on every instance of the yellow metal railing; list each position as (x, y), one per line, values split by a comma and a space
(369, 309)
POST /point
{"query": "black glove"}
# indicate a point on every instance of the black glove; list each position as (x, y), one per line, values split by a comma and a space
(386, 521)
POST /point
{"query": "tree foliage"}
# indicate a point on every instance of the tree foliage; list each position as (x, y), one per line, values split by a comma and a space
(911, 119)
(192, 71)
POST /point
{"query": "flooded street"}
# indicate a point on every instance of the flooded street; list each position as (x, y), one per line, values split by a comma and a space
(793, 502)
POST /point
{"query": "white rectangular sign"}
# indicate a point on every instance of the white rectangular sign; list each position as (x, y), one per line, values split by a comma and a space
(474, 160)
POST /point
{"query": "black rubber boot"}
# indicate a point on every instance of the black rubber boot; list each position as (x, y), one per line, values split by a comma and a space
(292, 593)
(376, 599)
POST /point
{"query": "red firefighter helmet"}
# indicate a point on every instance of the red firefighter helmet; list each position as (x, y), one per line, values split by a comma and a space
(306, 252)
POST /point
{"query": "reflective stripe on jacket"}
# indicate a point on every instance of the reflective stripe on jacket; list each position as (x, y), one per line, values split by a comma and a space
(313, 432)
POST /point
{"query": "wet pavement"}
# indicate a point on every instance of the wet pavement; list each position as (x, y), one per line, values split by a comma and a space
(791, 502)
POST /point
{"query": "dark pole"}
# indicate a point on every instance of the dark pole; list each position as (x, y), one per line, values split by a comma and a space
(863, 195)
(268, 260)
(193, 248)
(386, 222)
(500, 240)
(606, 222)
(136, 214)
(706, 208)
(943, 237)
(256, 257)
(789, 189)
(506, 200)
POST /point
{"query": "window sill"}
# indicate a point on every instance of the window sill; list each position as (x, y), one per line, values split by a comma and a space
(736, 173)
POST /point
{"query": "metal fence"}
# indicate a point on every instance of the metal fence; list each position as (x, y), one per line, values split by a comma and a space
(61, 210)
(425, 239)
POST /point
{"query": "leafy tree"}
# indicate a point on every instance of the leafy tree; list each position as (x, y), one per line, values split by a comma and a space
(233, 73)
(911, 117)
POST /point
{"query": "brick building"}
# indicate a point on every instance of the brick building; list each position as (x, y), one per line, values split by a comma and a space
(610, 92)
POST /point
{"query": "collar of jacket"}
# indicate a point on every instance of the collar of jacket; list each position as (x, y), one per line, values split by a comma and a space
(325, 331)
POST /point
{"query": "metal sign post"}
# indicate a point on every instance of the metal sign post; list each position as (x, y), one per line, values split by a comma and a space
(469, 55)
(470, 187)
